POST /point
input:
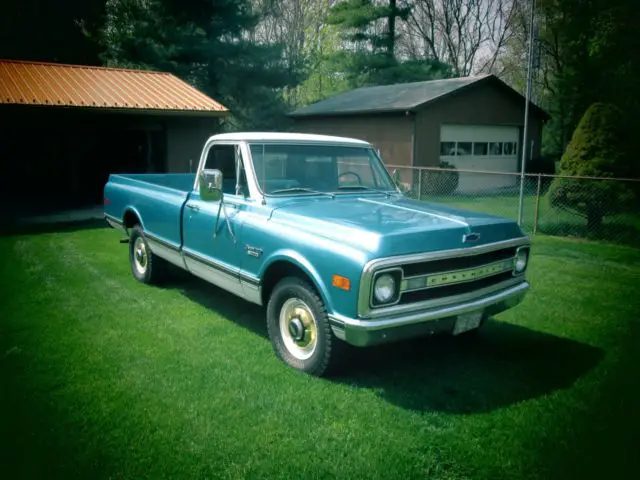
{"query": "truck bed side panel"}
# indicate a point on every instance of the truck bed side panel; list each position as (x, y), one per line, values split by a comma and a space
(158, 207)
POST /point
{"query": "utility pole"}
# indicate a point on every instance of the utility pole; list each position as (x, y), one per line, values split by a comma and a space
(526, 112)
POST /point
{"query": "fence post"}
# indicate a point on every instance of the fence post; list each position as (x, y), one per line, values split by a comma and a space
(419, 184)
(535, 218)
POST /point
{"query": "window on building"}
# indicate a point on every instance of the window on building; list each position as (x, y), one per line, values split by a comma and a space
(464, 148)
(495, 148)
(480, 148)
(447, 148)
(509, 148)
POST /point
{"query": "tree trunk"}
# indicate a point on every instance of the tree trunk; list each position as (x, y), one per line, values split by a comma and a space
(392, 29)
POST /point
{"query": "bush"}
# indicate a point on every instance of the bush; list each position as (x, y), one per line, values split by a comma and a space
(594, 151)
(440, 183)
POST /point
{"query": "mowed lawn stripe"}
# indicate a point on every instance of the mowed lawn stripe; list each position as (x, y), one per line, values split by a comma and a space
(111, 378)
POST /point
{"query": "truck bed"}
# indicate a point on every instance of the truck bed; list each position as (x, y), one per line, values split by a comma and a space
(156, 198)
(175, 181)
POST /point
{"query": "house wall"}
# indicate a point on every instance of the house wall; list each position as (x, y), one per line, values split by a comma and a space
(483, 105)
(185, 139)
(391, 134)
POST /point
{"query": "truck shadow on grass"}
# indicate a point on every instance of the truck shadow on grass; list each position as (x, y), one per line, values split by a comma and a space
(503, 365)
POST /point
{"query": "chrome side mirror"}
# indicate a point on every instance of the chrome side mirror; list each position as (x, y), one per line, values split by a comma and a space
(210, 185)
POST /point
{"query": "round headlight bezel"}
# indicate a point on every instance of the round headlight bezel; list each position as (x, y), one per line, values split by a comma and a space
(393, 276)
(522, 259)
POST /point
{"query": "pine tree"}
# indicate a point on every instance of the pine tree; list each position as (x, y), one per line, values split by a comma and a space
(206, 44)
(369, 29)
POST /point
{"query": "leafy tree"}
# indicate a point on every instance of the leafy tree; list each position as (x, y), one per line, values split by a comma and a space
(370, 35)
(207, 43)
(594, 151)
(586, 52)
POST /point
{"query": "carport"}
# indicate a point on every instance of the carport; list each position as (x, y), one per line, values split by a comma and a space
(65, 128)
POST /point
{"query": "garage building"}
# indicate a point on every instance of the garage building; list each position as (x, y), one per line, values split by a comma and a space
(474, 123)
(65, 128)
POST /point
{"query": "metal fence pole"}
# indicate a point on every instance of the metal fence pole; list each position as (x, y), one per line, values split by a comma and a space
(419, 184)
(535, 218)
(526, 114)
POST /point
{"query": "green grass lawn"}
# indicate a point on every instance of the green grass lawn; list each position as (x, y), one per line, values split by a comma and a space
(622, 228)
(103, 377)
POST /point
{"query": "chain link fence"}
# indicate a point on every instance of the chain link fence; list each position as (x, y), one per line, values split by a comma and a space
(602, 209)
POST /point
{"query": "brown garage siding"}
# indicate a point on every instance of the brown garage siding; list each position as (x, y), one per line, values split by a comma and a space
(391, 134)
(483, 105)
(185, 139)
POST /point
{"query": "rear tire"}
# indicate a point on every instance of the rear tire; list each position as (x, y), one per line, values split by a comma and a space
(146, 266)
(299, 328)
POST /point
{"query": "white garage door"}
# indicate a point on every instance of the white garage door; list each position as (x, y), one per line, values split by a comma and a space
(481, 147)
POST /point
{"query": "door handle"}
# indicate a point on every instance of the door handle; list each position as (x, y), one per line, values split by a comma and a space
(193, 207)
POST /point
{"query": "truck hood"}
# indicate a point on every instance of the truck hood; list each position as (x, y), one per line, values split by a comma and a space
(392, 226)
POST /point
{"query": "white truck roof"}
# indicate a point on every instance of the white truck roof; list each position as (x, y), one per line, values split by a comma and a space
(276, 136)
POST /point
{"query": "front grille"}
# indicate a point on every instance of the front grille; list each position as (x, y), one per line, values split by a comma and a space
(457, 263)
(455, 289)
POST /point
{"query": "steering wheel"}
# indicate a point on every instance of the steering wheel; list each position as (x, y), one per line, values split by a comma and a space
(349, 172)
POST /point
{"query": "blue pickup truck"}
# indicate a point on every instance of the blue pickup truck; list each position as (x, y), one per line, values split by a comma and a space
(314, 228)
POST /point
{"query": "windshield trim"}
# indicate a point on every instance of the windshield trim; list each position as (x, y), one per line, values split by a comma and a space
(366, 146)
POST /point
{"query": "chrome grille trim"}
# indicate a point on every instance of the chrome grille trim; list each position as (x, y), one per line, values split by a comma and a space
(364, 298)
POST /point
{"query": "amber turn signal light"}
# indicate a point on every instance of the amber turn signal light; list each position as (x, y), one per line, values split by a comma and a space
(341, 282)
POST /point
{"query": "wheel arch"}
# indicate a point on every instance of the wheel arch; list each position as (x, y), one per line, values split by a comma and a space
(131, 218)
(289, 263)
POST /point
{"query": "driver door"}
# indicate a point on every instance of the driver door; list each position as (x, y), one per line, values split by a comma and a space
(211, 253)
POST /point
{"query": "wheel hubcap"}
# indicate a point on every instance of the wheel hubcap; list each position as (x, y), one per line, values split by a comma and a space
(140, 257)
(298, 328)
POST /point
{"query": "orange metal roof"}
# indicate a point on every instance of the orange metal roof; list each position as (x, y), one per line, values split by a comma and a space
(98, 87)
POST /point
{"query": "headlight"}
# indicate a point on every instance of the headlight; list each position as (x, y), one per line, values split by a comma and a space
(522, 257)
(384, 289)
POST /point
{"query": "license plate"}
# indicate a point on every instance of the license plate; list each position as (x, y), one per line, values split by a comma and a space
(467, 321)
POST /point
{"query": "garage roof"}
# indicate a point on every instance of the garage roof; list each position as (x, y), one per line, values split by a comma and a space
(31, 83)
(399, 97)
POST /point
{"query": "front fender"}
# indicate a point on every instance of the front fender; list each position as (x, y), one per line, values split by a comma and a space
(300, 261)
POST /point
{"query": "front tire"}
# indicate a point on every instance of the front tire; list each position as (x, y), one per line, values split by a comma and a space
(299, 328)
(146, 267)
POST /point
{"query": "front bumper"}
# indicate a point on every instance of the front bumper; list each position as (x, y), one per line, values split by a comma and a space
(363, 332)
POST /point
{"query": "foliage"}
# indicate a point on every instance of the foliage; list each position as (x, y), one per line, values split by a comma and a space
(368, 30)
(206, 44)
(585, 52)
(594, 151)
(469, 35)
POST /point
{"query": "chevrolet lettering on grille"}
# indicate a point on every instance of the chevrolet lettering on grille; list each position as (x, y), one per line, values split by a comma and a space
(470, 274)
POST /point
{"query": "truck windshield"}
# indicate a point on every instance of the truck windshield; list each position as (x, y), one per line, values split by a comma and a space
(302, 169)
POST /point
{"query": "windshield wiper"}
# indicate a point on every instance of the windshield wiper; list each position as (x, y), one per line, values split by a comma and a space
(363, 187)
(301, 189)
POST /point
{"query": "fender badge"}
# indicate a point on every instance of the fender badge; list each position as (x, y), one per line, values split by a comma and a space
(253, 251)
(470, 237)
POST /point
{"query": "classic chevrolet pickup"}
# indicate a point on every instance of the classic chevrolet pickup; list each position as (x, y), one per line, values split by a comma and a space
(314, 228)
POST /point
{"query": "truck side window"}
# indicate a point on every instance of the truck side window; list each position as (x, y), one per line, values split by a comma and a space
(223, 158)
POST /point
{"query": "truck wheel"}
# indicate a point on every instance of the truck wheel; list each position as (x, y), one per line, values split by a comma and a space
(299, 327)
(145, 266)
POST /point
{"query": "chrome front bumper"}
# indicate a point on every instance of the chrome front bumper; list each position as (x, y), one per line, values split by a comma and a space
(365, 332)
